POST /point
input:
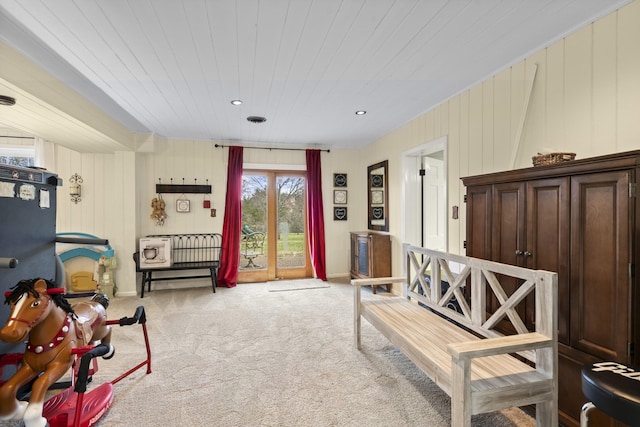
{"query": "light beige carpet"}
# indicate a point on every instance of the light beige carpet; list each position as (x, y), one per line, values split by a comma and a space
(249, 357)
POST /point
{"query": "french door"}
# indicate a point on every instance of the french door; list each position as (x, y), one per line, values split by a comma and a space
(273, 240)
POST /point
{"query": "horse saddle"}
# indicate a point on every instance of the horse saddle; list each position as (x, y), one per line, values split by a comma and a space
(86, 321)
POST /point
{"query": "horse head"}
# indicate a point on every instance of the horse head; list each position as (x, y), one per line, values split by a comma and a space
(30, 302)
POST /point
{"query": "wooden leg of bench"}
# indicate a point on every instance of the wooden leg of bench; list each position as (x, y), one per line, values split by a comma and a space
(546, 415)
(356, 316)
(461, 393)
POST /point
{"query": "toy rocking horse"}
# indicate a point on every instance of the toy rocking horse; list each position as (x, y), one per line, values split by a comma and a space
(54, 328)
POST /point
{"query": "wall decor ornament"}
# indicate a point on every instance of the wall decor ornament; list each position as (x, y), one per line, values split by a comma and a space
(378, 196)
(339, 214)
(75, 188)
(183, 205)
(158, 213)
(340, 197)
(377, 181)
(377, 213)
(339, 179)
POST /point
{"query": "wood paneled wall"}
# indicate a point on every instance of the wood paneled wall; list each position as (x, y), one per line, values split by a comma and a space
(585, 92)
(585, 98)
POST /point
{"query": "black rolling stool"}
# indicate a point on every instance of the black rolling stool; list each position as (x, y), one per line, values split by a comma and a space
(614, 389)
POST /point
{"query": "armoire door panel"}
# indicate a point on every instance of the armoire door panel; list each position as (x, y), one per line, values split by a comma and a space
(479, 202)
(508, 226)
(508, 223)
(547, 240)
(600, 248)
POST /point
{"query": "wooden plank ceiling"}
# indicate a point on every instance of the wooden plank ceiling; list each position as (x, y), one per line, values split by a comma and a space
(171, 68)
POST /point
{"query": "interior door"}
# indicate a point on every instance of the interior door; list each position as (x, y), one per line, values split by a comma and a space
(434, 203)
(274, 240)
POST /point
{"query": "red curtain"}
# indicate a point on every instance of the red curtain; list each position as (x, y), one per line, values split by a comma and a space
(315, 216)
(231, 227)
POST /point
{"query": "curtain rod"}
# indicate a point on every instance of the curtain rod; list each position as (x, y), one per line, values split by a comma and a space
(17, 137)
(271, 148)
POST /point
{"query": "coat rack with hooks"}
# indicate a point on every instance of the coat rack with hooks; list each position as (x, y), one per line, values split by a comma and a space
(194, 188)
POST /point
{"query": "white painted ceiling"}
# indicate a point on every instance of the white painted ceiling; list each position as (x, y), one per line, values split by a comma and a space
(171, 67)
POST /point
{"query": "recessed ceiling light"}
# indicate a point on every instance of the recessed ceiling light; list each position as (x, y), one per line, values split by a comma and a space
(361, 113)
(7, 100)
(256, 119)
(236, 102)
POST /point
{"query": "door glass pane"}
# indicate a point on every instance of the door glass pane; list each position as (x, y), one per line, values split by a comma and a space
(253, 246)
(291, 221)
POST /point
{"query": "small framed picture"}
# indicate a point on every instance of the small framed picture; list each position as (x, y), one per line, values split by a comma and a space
(377, 181)
(183, 205)
(377, 213)
(339, 214)
(340, 197)
(339, 179)
(377, 197)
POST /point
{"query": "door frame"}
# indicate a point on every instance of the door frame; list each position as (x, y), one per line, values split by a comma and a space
(272, 272)
(411, 209)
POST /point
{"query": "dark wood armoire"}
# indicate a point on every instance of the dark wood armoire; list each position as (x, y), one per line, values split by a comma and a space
(579, 219)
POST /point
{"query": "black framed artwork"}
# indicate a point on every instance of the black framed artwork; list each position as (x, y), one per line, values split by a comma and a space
(339, 214)
(339, 179)
(377, 213)
(377, 181)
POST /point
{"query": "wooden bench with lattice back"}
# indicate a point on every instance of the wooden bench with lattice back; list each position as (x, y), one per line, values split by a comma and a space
(480, 368)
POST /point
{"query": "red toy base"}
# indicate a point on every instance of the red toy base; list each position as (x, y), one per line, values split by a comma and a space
(60, 409)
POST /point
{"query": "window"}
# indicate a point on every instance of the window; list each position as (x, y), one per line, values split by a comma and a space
(17, 155)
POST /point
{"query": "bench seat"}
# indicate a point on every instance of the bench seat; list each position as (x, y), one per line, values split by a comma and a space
(464, 352)
(424, 337)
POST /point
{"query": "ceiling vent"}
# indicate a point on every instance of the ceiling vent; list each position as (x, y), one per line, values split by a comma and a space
(7, 100)
(256, 119)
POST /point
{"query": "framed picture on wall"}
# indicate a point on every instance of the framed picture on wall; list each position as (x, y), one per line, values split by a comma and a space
(377, 197)
(339, 179)
(340, 197)
(183, 205)
(377, 213)
(339, 214)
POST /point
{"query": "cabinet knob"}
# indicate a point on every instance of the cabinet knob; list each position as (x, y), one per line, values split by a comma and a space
(527, 254)
(518, 253)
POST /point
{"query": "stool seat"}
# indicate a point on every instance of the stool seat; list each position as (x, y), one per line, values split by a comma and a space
(614, 388)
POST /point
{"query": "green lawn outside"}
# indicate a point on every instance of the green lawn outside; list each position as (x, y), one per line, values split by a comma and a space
(295, 243)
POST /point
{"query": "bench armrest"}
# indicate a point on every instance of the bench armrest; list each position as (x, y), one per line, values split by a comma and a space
(501, 345)
(377, 281)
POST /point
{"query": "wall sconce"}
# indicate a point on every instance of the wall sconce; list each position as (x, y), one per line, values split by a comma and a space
(75, 187)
